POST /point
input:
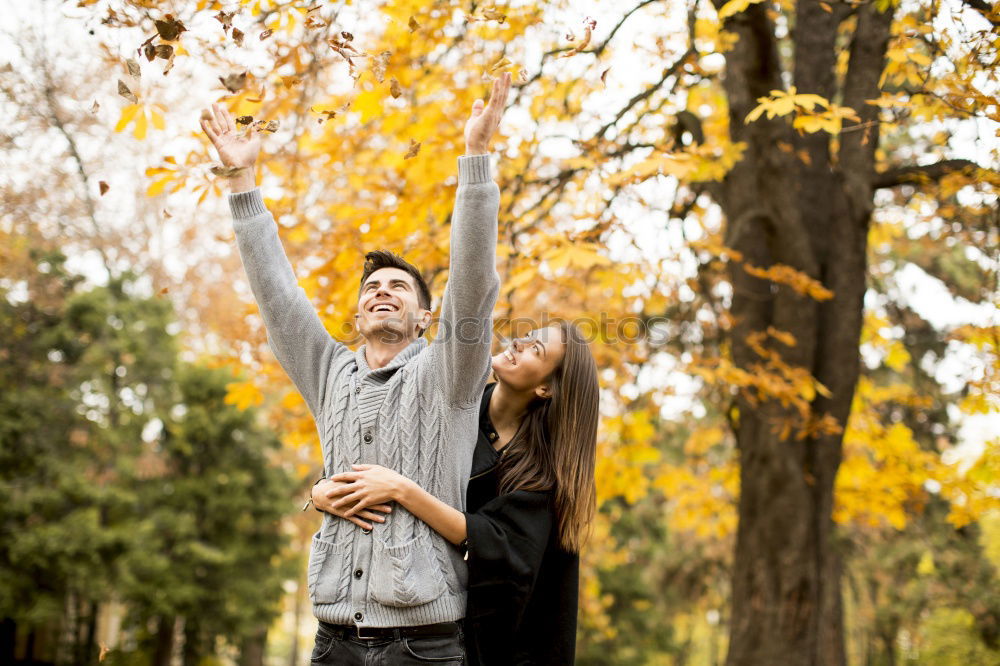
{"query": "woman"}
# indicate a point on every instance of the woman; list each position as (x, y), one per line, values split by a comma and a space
(530, 500)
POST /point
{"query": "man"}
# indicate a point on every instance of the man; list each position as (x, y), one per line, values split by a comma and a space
(394, 593)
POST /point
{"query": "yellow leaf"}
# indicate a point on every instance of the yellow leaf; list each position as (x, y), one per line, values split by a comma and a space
(127, 114)
(156, 188)
(157, 118)
(243, 394)
(735, 7)
(140, 126)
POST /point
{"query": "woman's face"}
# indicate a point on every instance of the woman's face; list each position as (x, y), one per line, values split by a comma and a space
(527, 362)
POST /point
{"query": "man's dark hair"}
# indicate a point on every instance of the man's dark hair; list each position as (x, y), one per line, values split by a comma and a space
(384, 259)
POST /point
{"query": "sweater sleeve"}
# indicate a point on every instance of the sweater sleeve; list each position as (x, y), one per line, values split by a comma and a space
(294, 331)
(461, 353)
(507, 538)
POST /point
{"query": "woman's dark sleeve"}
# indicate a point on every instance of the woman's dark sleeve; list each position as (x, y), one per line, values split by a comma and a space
(507, 538)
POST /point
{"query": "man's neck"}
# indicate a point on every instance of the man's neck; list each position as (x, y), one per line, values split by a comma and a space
(379, 353)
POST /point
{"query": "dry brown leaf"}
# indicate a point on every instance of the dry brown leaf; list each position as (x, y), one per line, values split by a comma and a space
(266, 126)
(225, 172)
(347, 37)
(133, 68)
(267, 33)
(412, 24)
(94, 107)
(124, 91)
(169, 28)
(226, 19)
(238, 36)
(165, 290)
(234, 82)
(166, 214)
(170, 65)
(604, 76)
(149, 50)
(314, 22)
(394, 88)
(588, 29)
(165, 51)
(104, 187)
(414, 149)
(379, 63)
(244, 120)
(329, 113)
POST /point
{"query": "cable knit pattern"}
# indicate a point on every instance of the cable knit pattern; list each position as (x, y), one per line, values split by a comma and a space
(418, 414)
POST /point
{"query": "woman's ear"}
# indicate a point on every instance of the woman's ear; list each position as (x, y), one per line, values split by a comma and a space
(543, 391)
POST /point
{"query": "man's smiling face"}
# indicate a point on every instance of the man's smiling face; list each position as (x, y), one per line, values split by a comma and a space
(389, 307)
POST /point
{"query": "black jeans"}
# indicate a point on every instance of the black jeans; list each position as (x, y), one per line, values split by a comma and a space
(336, 649)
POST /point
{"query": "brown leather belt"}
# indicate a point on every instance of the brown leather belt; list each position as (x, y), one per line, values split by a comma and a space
(395, 633)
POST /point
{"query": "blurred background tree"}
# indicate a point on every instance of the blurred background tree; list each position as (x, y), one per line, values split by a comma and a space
(778, 219)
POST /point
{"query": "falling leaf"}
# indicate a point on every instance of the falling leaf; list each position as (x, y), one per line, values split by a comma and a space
(104, 187)
(379, 64)
(149, 50)
(133, 68)
(489, 14)
(165, 290)
(267, 33)
(394, 89)
(226, 172)
(266, 126)
(170, 65)
(329, 113)
(124, 91)
(604, 76)
(348, 37)
(588, 29)
(94, 107)
(414, 149)
(169, 28)
(238, 36)
(103, 653)
(826, 8)
(226, 19)
(412, 24)
(259, 98)
(165, 51)
(313, 22)
(234, 82)
(244, 120)
(500, 64)
(166, 214)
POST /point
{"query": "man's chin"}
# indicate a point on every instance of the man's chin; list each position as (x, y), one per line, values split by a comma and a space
(387, 330)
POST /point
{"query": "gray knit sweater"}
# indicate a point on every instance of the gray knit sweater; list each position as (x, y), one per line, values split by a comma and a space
(418, 415)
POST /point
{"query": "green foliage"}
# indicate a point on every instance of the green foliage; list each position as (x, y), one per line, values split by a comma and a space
(123, 473)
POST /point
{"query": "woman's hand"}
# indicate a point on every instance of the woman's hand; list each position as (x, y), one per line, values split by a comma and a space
(483, 122)
(325, 492)
(367, 486)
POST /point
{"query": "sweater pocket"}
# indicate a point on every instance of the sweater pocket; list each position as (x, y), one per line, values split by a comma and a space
(329, 574)
(406, 574)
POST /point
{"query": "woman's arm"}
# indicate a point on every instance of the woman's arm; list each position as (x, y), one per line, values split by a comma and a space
(369, 485)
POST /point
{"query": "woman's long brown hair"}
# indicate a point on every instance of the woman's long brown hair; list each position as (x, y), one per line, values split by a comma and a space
(555, 447)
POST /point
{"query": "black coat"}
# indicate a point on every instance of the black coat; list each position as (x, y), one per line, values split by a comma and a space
(523, 588)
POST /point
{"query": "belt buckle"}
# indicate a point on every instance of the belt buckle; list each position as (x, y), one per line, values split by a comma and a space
(357, 627)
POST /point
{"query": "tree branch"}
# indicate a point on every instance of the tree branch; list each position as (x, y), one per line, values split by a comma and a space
(983, 8)
(916, 175)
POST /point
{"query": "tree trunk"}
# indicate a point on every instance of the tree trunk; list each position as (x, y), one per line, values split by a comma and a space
(810, 213)
(8, 640)
(164, 647)
(193, 649)
(252, 648)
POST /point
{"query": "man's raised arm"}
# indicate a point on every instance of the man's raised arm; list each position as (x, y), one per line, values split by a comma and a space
(295, 332)
(465, 332)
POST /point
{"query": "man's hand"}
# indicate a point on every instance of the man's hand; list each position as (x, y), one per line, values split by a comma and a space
(483, 122)
(236, 150)
(325, 492)
(366, 487)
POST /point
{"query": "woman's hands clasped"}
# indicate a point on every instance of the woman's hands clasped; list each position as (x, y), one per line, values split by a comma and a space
(327, 495)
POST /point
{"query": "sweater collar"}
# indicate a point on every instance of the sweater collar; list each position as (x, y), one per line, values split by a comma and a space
(398, 361)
